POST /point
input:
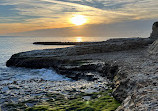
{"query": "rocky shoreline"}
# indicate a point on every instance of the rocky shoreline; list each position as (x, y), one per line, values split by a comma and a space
(130, 66)
(21, 95)
(131, 70)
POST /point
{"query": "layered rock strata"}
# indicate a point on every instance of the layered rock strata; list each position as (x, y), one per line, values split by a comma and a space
(154, 34)
(153, 50)
(125, 61)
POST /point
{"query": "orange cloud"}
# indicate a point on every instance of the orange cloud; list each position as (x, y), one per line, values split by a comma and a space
(44, 14)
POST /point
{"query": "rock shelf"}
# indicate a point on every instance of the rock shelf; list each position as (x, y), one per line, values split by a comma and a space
(125, 62)
(62, 43)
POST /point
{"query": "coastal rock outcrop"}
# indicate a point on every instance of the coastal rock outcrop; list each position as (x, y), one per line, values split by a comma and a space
(154, 34)
(124, 61)
(53, 57)
(153, 49)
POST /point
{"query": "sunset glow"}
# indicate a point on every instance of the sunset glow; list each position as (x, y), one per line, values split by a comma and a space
(79, 39)
(91, 17)
(78, 20)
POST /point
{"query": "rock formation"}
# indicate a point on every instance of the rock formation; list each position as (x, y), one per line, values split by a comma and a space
(52, 57)
(134, 75)
(154, 34)
(153, 49)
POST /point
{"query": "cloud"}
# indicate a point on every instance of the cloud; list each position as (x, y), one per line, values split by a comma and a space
(41, 14)
(140, 28)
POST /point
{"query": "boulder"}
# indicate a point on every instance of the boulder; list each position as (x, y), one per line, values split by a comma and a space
(154, 34)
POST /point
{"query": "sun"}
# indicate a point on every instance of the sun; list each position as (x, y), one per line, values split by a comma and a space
(78, 20)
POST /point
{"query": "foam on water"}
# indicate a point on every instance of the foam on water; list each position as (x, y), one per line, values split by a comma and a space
(8, 75)
(47, 74)
(12, 45)
(44, 74)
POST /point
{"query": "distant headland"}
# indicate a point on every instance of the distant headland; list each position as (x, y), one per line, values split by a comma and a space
(62, 43)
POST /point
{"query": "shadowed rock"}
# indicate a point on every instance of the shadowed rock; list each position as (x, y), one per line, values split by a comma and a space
(153, 50)
(154, 34)
(62, 43)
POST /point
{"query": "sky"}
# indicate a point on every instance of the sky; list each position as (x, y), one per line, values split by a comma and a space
(51, 17)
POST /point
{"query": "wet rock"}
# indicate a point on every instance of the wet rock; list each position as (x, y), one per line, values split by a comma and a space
(87, 98)
(15, 82)
(4, 89)
(13, 87)
(109, 71)
(33, 91)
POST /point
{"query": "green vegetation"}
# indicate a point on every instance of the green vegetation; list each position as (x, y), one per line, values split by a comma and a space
(14, 107)
(101, 101)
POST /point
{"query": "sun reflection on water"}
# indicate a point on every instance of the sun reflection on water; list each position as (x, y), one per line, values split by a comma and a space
(79, 39)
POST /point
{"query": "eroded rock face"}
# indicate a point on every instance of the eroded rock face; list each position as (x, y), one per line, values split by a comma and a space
(153, 49)
(154, 34)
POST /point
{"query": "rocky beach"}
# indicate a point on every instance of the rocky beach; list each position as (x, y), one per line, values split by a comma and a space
(127, 66)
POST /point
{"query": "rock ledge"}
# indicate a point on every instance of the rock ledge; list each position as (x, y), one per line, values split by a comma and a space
(125, 62)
